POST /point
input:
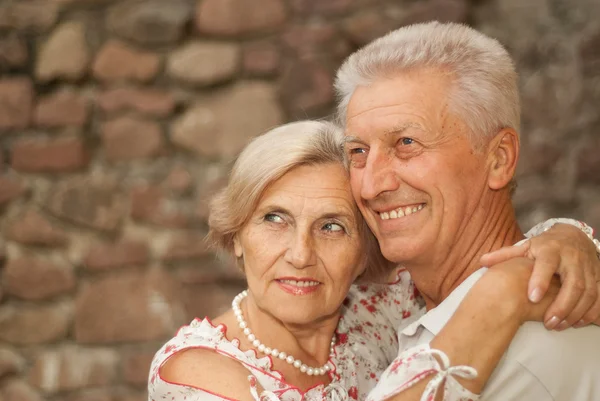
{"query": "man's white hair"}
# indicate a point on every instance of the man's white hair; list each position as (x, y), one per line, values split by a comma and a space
(484, 81)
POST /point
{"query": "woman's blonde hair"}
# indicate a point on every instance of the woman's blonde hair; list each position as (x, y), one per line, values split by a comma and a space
(266, 159)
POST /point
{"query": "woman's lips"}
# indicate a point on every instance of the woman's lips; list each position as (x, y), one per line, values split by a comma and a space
(298, 287)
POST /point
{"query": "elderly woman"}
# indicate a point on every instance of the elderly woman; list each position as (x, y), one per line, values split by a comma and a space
(302, 330)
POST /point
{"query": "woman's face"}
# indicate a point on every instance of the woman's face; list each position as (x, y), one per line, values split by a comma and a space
(301, 247)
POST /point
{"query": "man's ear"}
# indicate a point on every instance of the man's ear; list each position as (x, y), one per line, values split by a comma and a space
(237, 247)
(504, 154)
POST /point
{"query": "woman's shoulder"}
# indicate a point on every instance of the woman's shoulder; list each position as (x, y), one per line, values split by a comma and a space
(208, 372)
(201, 363)
(195, 361)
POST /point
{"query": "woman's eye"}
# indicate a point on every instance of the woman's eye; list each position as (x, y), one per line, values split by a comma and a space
(407, 141)
(333, 227)
(273, 218)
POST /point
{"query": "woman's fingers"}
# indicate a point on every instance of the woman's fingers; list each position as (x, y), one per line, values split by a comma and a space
(503, 254)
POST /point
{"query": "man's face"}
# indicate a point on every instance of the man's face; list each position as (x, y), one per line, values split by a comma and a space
(414, 172)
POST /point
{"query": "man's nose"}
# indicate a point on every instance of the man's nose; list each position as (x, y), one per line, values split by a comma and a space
(300, 252)
(378, 175)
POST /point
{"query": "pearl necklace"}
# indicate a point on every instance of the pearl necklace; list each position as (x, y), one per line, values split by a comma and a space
(297, 363)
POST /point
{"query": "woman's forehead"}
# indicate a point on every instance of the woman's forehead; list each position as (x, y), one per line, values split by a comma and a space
(321, 186)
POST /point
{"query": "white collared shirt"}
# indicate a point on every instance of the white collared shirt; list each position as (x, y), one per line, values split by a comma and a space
(539, 365)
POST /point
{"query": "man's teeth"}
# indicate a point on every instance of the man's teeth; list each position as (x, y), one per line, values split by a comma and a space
(300, 283)
(401, 212)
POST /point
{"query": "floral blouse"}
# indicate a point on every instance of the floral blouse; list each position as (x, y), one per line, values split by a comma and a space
(367, 344)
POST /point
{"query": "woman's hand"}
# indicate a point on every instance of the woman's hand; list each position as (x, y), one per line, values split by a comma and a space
(563, 250)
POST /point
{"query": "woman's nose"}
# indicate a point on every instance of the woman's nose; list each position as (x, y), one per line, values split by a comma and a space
(300, 252)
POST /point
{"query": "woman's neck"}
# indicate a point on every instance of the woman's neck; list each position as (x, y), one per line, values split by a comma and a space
(310, 343)
(306, 341)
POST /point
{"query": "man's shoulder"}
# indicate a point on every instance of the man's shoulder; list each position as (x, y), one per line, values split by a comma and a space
(566, 364)
(533, 343)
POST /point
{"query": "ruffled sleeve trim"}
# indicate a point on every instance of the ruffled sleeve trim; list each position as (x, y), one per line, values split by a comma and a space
(418, 363)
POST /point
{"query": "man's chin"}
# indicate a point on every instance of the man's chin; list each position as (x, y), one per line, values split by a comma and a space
(400, 249)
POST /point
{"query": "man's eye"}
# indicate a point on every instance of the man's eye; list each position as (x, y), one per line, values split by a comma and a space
(357, 157)
(273, 218)
(358, 151)
(407, 141)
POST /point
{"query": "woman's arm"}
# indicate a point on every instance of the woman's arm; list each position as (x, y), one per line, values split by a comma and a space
(476, 336)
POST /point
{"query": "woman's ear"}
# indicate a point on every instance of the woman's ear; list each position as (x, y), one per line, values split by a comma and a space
(237, 247)
(504, 154)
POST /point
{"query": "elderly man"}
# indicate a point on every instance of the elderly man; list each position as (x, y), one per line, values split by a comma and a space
(431, 113)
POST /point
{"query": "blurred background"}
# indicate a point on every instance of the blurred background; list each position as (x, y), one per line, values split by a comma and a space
(118, 119)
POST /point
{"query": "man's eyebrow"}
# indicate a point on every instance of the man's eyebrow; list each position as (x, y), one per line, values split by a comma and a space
(398, 129)
(395, 130)
(350, 138)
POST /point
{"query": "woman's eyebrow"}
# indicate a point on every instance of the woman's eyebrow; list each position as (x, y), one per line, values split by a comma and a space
(337, 215)
(272, 207)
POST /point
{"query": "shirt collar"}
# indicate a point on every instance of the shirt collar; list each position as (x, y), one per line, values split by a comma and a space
(435, 319)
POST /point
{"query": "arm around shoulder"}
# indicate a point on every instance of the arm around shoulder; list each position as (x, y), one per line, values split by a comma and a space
(206, 370)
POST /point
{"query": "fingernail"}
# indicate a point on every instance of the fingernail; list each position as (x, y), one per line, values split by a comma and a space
(535, 296)
(563, 325)
(552, 322)
(579, 324)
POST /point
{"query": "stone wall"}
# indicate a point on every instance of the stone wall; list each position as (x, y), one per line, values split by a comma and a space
(119, 118)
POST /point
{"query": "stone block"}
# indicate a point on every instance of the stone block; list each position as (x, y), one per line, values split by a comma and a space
(204, 63)
(145, 101)
(35, 279)
(153, 22)
(105, 256)
(16, 99)
(49, 155)
(64, 108)
(21, 325)
(211, 129)
(64, 55)
(153, 310)
(130, 138)
(31, 228)
(240, 17)
(72, 368)
(91, 202)
(13, 52)
(117, 61)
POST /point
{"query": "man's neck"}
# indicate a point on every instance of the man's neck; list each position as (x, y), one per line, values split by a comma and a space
(486, 231)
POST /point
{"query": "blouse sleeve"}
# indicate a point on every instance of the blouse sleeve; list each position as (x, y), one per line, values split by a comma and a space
(418, 363)
(548, 224)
